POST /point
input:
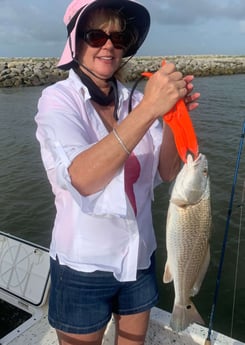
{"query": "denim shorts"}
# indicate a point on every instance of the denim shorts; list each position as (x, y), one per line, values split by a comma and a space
(83, 303)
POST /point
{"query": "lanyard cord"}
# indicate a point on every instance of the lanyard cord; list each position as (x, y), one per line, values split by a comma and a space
(132, 92)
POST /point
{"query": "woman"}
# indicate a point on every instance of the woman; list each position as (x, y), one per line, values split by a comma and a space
(103, 162)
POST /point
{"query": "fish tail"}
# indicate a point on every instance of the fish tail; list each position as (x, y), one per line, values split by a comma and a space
(183, 316)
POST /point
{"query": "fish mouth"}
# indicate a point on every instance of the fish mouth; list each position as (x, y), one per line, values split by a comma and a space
(199, 163)
(191, 160)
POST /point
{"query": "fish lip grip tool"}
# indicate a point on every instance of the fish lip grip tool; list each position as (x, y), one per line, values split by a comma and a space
(178, 119)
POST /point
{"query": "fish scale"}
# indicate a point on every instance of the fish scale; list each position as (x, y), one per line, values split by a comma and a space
(187, 238)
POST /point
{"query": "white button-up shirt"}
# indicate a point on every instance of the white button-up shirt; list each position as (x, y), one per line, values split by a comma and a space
(100, 231)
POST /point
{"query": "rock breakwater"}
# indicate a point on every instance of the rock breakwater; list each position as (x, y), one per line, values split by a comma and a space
(16, 72)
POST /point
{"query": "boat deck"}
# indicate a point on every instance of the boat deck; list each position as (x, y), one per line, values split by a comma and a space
(158, 333)
(24, 284)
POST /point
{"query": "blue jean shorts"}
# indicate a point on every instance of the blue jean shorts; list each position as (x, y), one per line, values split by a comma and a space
(83, 303)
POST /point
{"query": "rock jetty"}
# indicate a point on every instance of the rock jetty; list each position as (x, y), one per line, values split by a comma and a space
(16, 72)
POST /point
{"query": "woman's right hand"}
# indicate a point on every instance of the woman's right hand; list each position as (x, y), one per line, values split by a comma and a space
(163, 90)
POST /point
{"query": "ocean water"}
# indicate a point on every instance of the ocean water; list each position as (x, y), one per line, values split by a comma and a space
(26, 201)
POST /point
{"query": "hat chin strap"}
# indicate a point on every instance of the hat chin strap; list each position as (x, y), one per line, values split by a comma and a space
(89, 70)
(111, 81)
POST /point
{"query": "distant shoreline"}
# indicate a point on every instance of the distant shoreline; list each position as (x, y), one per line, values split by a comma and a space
(35, 71)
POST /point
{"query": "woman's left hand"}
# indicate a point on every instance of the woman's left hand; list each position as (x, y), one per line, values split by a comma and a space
(190, 99)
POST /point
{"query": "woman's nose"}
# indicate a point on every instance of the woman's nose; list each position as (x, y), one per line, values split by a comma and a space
(108, 43)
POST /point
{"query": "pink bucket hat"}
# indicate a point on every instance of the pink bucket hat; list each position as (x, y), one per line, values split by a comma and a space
(132, 10)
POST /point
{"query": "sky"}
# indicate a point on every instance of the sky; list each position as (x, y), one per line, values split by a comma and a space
(35, 28)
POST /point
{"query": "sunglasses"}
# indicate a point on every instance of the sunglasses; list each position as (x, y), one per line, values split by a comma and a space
(97, 38)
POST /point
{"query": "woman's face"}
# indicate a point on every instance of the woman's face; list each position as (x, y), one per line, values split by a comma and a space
(105, 60)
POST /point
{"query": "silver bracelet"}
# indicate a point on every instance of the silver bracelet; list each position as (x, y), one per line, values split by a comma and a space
(120, 141)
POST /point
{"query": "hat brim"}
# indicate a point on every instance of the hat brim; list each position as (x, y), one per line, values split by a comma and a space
(131, 9)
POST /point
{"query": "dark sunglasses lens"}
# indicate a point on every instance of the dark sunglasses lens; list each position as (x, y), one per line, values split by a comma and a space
(96, 38)
(119, 40)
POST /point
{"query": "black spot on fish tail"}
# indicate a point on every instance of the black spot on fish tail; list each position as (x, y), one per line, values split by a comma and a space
(183, 316)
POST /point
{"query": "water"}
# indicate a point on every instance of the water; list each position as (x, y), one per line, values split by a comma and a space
(26, 201)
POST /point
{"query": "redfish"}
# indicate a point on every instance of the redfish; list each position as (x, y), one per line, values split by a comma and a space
(187, 238)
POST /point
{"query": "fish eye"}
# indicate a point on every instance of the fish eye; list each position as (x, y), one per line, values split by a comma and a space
(205, 172)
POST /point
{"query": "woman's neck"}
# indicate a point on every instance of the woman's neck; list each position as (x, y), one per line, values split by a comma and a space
(101, 83)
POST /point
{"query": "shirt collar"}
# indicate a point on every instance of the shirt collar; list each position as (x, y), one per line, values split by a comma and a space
(79, 86)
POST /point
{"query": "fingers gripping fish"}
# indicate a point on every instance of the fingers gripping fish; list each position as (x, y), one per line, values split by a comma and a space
(188, 232)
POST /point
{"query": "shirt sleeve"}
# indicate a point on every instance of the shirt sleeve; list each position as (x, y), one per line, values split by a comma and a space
(62, 136)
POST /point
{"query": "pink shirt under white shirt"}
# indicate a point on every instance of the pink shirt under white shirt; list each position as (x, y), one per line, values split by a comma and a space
(104, 231)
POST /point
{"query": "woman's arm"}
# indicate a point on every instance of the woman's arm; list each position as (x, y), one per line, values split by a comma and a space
(94, 168)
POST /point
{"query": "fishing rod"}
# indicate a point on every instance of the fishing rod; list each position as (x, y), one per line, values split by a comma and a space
(208, 339)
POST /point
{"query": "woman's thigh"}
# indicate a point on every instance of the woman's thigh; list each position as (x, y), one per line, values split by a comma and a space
(131, 329)
(94, 338)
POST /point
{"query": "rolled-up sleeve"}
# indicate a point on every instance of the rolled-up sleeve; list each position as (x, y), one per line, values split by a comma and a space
(62, 135)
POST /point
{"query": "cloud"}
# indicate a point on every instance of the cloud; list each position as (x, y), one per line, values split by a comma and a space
(41, 21)
(31, 26)
(35, 28)
(179, 12)
(242, 26)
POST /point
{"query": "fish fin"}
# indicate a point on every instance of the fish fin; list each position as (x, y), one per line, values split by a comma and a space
(183, 316)
(202, 272)
(179, 202)
(167, 276)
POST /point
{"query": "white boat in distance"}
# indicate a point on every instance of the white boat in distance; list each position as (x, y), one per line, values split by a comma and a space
(24, 286)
